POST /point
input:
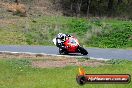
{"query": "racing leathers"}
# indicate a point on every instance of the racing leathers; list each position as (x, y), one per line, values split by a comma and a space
(60, 39)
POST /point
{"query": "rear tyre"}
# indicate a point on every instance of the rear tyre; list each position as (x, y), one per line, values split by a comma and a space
(82, 50)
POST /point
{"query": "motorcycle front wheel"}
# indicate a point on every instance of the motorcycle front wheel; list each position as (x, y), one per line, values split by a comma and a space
(62, 51)
(82, 50)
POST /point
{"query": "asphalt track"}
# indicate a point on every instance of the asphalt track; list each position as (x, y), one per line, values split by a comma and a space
(52, 50)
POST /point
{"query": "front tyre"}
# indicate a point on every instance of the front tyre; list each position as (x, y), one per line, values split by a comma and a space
(82, 50)
(62, 51)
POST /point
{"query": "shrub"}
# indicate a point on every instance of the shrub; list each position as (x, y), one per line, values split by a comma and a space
(118, 37)
(78, 26)
(16, 9)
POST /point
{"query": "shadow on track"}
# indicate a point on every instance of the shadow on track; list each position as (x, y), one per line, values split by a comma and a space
(74, 54)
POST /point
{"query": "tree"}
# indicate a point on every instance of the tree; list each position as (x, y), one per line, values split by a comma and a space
(79, 5)
(88, 7)
(110, 7)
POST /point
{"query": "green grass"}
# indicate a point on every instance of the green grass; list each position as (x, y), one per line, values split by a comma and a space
(17, 73)
(11, 38)
(118, 37)
(92, 32)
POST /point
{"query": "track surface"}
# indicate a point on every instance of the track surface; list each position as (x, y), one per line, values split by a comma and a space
(93, 52)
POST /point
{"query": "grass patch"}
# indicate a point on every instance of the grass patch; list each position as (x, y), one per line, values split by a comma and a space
(117, 61)
(20, 74)
(93, 32)
(83, 59)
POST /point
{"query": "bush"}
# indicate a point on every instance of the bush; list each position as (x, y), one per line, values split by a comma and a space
(118, 37)
(16, 9)
(78, 26)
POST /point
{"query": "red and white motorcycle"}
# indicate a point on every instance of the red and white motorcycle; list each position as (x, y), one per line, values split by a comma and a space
(71, 45)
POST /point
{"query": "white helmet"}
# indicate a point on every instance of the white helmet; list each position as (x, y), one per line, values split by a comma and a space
(59, 35)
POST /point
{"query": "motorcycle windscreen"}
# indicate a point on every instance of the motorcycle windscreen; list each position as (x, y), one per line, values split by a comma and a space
(72, 45)
(73, 41)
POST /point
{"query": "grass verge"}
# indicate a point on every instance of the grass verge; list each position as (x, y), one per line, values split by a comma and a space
(18, 73)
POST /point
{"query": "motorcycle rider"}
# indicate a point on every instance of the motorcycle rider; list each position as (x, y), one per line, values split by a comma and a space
(60, 39)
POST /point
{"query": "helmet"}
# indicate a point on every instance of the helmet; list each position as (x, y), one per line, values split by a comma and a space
(59, 35)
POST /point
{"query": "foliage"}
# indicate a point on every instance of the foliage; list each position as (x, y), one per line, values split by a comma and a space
(116, 8)
(78, 26)
(16, 9)
(20, 63)
(43, 31)
(117, 37)
(101, 8)
(93, 32)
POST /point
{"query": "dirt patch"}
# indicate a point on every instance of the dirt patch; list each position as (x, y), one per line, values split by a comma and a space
(54, 63)
(8, 55)
(48, 61)
(74, 62)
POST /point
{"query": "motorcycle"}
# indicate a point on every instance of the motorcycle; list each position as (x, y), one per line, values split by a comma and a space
(71, 45)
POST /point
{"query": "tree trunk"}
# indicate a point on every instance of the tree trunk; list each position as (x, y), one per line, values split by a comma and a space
(79, 4)
(110, 7)
(88, 5)
(71, 7)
